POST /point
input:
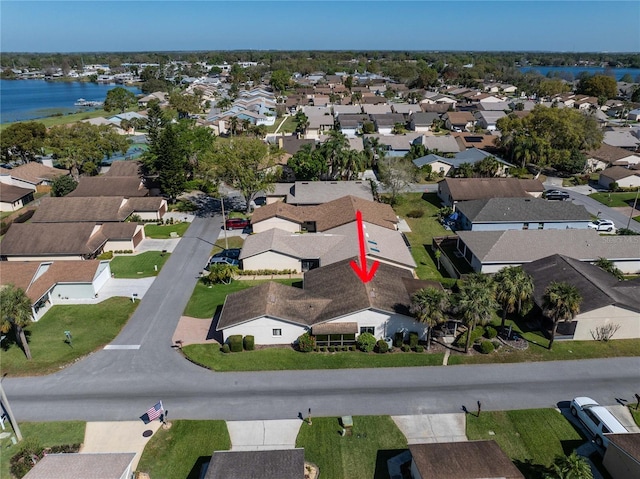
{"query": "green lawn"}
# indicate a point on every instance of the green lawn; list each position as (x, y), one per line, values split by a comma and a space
(635, 413)
(205, 299)
(531, 438)
(614, 199)
(64, 119)
(164, 231)
(422, 230)
(46, 434)
(289, 125)
(179, 452)
(91, 326)
(362, 455)
(138, 266)
(284, 358)
(232, 242)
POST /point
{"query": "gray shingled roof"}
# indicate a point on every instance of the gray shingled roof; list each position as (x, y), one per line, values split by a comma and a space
(10, 193)
(82, 466)
(329, 292)
(277, 464)
(25, 239)
(317, 192)
(124, 168)
(79, 209)
(519, 246)
(597, 287)
(495, 210)
(126, 186)
(463, 189)
(618, 172)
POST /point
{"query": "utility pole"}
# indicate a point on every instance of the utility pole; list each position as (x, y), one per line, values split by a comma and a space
(224, 225)
(7, 407)
(635, 203)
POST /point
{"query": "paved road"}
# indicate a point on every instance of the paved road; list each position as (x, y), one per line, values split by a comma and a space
(120, 384)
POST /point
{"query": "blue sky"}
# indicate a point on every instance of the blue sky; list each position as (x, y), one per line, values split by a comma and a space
(112, 25)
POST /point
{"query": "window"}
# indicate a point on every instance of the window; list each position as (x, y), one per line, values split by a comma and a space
(525, 226)
(367, 329)
(540, 226)
(276, 332)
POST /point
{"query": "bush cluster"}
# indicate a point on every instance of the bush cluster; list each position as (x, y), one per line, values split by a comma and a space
(419, 348)
(121, 251)
(366, 342)
(475, 335)
(266, 272)
(405, 348)
(306, 343)
(105, 255)
(413, 339)
(249, 343)
(486, 347)
(490, 332)
(225, 348)
(235, 343)
(382, 346)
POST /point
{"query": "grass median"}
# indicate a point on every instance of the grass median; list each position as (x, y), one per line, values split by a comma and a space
(180, 452)
(91, 326)
(364, 454)
(142, 265)
(285, 358)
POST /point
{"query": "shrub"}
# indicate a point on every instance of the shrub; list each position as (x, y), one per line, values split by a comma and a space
(475, 335)
(398, 339)
(366, 342)
(332, 349)
(105, 255)
(323, 349)
(405, 348)
(352, 348)
(415, 214)
(413, 339)
(345, 348)
(225, 348)
(249, 343)
(486, 347)
(235, 343)
(382, 346)
(419, 348)
(306, 343)
(490, 332)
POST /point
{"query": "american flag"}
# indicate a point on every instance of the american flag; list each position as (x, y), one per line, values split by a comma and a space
(152, 413)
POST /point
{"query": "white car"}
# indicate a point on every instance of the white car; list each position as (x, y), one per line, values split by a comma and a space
(596, 419)
(602, 225)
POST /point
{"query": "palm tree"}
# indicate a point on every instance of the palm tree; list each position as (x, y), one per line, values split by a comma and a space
(246, 124)
(610, 267)
(428, 306)
(476, 302)
(302, 121)
(333, 149)
(570, 467)
(15, 314)
(353, 162)
(233, 122)
(561, 301)
(514, 290)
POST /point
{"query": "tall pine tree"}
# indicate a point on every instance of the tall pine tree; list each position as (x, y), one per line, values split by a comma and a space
(170, 163)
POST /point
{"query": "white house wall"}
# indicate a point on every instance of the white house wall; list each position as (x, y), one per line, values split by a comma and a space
(385, 324)
(72, 291)
(8, 206)
(148, 215)
(262, 331)
(103, 275)
(45, 258)
(122, 245)
(270, 260)
(276, 222)
(532, 225)
(629, 322)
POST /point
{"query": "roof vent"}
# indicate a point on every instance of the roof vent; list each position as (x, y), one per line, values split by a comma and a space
(272, 298)
(372, 293)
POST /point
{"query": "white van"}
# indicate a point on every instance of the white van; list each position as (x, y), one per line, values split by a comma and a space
(597, 419)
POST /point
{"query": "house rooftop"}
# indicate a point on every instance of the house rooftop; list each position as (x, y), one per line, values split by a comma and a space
(276, 464)
(124, 168)
(126, 186)
(318, 192)
(619, 172)
(84, 465)
(10, 193)
(34, 172)
(522, 210)
(463, 189)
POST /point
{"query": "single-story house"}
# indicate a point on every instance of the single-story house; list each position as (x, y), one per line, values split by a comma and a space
(453, 190)
(103, 465)
(494, 106)
(387, 122)
(442, 144)
(276, 464)
(376, 109)
(488, 119)
(405, 109)
(467, 459)
(126, 186)
(473, 140)
(346, 110)
(335, 306)
(634, 115)
(51, 282)
(351, 123)
(68, 241)
(624, 177)
(627, 138)
(13, 198)
(33, 175)
(158, 96)
(422, 121)
(397, 145)
(445, 166)
(322, 217)
(608, 155)
(98, 209)
(459, 120)
(279, 249)
(309, 193)
(495, 214)
(490, 251)
(124, 168)
(622, 457)
(605, 299)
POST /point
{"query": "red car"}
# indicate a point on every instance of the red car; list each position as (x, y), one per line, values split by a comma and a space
(236, 224)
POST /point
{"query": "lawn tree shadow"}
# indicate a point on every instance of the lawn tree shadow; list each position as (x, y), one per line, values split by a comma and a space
(10, 340)
(531, 470)
(196, 470)
(433, 199)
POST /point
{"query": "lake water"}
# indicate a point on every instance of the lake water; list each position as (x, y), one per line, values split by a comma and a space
(22, 100)
(575, 71)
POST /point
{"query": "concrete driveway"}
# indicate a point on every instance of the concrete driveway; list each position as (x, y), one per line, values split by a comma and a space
(151, 244)
(429, 428)
(264, 435)
(125, 287)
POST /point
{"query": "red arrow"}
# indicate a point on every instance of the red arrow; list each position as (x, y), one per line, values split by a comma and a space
(364, 275)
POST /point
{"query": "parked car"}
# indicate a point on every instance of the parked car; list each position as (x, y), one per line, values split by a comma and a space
(229, 261)
(236, 223)
(602, 225)
(233, 253)
(556, 195)
(597, 419)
